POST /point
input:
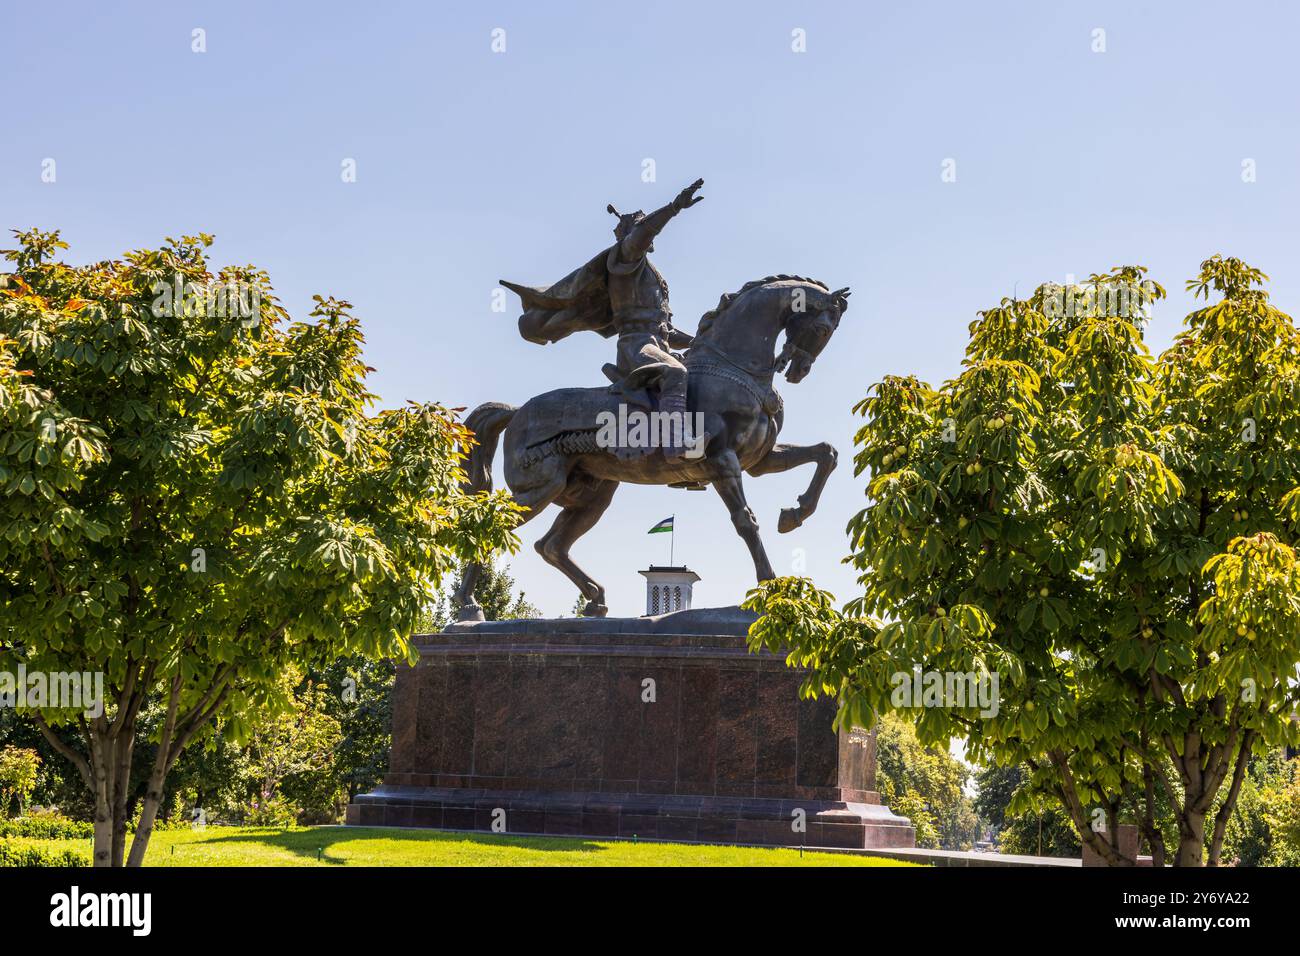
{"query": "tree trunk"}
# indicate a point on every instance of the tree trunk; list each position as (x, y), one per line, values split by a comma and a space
(153, 795)
(1191, 839)
(99, 767)
(1216, 841)
(153, 792)
(119, 825)
(107, 770)
(103, 833)
(1156, 843)
(122, 746)
(1155, 839)
(1105, 847)
(110, 768)
(144, 830)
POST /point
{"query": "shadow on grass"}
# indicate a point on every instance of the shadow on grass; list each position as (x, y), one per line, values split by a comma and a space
(317, 841)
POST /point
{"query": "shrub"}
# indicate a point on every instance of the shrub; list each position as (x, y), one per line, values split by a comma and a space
(16, 853)
(274, 812)
(1248, 839)
(47, 826)
(19, 769)
(1282, 811)
(176, 822)
(912, 806)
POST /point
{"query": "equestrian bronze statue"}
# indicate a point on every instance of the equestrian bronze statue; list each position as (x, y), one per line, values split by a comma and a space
(703, 417)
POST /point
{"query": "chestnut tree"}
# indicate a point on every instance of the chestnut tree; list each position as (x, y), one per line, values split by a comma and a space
(1110, 532)
(197, 497)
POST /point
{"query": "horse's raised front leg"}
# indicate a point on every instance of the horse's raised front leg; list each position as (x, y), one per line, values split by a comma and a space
(726, 478)
(785, 457)
(583, 505)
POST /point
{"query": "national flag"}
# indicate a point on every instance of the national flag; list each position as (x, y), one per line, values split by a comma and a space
(665, 525)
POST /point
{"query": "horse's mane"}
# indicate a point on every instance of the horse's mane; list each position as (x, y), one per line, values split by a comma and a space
(706, 320)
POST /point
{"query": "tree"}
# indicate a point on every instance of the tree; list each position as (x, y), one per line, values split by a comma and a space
(19, 769)
(1044, 832)
(297, 740)
(57, 784)
(1265, 830)
(209, 782)
(495, 593)
(1110, 534)
(1283, 816)
(363, 699)
(362, 702)
(196, 499)
(924, 784)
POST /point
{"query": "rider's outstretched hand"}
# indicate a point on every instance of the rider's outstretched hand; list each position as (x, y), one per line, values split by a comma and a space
(687, 198)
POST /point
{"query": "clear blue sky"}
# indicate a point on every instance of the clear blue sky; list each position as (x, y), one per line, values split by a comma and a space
(473, 165)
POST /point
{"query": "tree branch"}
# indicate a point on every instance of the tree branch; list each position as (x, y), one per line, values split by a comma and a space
(55, 741)
(1230, 801)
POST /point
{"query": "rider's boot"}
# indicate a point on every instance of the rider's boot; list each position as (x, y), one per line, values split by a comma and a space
(691, 445)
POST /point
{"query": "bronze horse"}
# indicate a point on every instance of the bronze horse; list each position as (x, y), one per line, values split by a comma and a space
(552, 454)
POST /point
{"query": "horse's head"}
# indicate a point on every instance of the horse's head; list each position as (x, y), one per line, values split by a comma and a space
(809, 329)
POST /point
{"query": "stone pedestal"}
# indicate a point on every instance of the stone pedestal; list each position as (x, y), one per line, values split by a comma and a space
(658, 728)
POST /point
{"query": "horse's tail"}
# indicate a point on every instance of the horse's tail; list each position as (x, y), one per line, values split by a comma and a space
(486, 423)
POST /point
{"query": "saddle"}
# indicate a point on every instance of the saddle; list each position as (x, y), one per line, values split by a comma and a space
(639, 388)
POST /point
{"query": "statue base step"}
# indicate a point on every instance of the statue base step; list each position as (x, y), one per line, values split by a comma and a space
(630, 816)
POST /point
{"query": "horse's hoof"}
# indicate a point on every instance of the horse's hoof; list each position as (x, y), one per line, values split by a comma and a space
(789, 520)
(594, 610)
(470, 612)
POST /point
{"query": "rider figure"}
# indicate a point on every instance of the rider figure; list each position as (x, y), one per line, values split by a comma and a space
(634, 306)
(638, 297)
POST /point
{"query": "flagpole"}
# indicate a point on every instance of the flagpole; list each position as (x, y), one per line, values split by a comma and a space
(672, 541)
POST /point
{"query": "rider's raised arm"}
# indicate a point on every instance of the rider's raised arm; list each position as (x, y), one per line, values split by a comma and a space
(638, 241)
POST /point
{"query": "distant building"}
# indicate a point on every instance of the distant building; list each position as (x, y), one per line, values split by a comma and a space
(668, 589)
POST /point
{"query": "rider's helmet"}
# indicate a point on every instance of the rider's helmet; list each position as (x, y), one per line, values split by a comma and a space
(626, 221)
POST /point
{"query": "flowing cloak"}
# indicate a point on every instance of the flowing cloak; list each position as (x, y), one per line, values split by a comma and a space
(577, 303)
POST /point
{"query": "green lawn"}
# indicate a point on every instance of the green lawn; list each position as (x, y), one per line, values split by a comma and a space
(362, 846)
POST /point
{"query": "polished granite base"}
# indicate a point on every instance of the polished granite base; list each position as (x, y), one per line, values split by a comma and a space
(655, 728)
